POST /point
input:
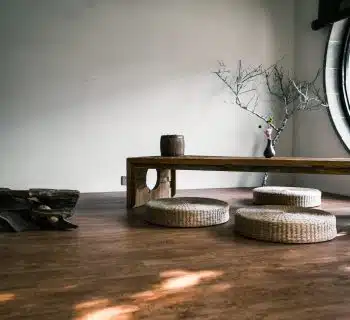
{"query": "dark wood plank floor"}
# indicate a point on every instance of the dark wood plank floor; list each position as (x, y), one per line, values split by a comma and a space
(115, 266)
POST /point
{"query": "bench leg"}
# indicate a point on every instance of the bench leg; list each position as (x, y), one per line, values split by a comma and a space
(137, 191)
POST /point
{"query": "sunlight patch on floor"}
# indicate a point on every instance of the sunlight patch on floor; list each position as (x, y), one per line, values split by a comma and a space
(5, 297)
(147, 295)
(176, 287)
(112, 313)
(91, 304)
(188, 279)
(340, 234)
(345, 268)
(72, 286)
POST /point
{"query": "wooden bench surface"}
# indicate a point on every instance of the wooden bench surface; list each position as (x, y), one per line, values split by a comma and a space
(251, 164)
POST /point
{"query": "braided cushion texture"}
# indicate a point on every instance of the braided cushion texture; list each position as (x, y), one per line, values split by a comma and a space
(289, 196)
(187, 212)
(285, 224)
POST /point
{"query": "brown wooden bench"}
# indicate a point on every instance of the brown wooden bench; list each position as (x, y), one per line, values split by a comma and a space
(138, 193)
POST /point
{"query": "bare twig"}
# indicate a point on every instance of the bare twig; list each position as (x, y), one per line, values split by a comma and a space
(292, 94)
(239, 87)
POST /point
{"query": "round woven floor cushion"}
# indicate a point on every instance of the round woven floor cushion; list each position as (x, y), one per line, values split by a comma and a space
(285, 224)
(187, 212)
(290, 196)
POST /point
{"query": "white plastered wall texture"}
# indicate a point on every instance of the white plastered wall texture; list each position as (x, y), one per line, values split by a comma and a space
(85, 84)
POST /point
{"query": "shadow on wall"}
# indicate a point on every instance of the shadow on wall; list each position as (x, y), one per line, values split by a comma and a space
(256, 152)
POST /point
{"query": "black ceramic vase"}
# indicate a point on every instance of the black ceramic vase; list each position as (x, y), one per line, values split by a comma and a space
(269, 150)
(172, 145)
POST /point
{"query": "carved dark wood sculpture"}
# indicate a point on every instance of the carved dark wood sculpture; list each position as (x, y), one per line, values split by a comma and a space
(37, 209)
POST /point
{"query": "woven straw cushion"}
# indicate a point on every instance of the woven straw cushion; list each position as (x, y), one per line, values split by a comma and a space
(289, 196)
(285, 224)
(187, 212)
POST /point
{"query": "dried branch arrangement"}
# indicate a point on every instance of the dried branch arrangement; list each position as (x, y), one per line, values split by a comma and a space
(290, 95)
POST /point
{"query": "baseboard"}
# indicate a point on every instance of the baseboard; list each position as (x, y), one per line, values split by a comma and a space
(120, 194)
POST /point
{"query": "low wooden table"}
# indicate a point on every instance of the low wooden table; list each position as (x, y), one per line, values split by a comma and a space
(138, 193)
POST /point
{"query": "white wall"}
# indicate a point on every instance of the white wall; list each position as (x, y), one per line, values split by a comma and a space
(314, 134)
(86, 83)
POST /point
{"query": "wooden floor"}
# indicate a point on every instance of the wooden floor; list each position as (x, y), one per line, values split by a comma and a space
(117, 267)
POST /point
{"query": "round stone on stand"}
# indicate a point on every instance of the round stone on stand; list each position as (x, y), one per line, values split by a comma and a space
(289, 196)
(285, 224)
(187, 212)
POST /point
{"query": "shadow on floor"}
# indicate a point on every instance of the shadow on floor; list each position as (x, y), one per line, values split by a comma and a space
(135, 219)
(115, 204)
(343, 223)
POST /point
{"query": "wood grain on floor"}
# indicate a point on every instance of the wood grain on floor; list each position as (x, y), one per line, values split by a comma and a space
(115, 266)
